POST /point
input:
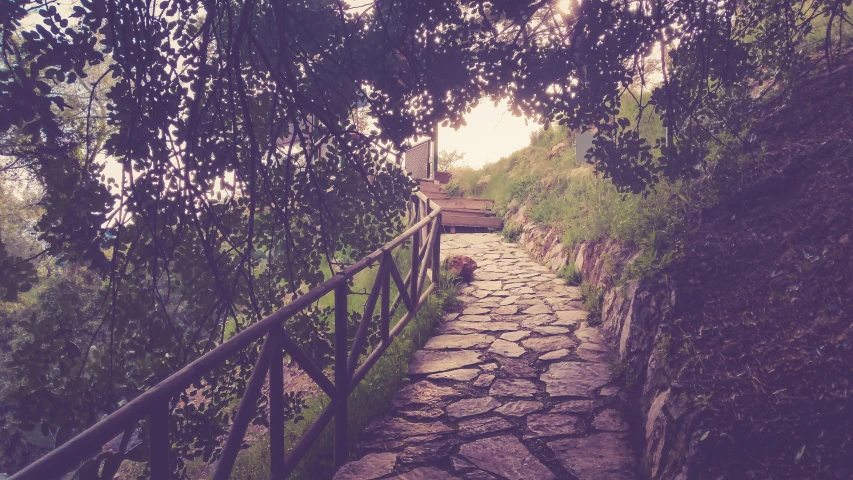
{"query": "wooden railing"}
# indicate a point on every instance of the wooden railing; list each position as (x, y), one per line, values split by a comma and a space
(86, 448)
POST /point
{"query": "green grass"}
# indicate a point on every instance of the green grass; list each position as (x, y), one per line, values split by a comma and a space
(362, 283)
(371, 398)
(570, 273)
(593, 301)
(511, 231)
(561, 192)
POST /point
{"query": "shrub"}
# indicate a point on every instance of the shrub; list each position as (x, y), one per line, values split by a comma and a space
(570, 274)
(453, 190)
(593, 301)
(511, 231)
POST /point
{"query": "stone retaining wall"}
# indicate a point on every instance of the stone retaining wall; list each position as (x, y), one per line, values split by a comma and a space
(635, 316)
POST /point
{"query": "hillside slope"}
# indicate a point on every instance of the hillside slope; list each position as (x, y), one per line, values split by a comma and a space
(764, 302)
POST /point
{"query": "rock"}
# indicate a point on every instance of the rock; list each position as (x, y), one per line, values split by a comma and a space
(489, 302)
(604, 455)
(570, 317)
(519, 408)
(548, 344)
(474, 311)
(471, 406)
(472, 340)
(428, 451)
(591, 335)
(475, 318)
(500, 293)
(506, 310)
(556, 149)
(572, 293)
(481, 293)
(461, 266)
(488, 367)
(537, 309)
(552, 424)
(425, 473)
(491, 285)
(432, 361)
(484, 380)
(398, 428)
(515, 336)
(574, 379)
(555, 355)
(655, 411)
(370, 466)
(424, 393)
(386, 444)
(551, 330)
(483, 275)
(460, 375)
(610, 420)
(449, 317)
(509, 300)
(479, 475)
(594, 353)
(465, 327)
(507, 457)
(517, 368)
(459, 464)
(512, 387)
(506, 349)
(536, 321)
(480, 426)
(422, 414)
(575, 406)
(609, 391)
(593, 347)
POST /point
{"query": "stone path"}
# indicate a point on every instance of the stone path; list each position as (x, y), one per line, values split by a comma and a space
(515, 385)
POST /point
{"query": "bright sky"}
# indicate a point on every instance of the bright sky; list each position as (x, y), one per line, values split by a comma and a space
(492, 132)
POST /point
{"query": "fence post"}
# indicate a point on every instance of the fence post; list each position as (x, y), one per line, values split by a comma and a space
(385, 302)
(159, 459)
(436, 252)
(341, 373)
(276, 376)
(414, 291)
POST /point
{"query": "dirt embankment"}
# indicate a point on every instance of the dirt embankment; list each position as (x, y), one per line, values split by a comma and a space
(764, 301)
(741, 354)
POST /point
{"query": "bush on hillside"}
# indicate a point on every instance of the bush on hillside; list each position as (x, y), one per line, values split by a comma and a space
(570, 273)
(511, 231)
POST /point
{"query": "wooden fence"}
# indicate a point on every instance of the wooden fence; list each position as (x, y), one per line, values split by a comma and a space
(84, 453)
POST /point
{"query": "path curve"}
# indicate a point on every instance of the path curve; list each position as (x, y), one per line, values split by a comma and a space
(515, 385)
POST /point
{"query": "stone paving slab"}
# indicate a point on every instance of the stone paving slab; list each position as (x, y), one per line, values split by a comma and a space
(513, 385)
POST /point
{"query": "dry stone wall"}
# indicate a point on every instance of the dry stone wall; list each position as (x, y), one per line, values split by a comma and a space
(634, 319)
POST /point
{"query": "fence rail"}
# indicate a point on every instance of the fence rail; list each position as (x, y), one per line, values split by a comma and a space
(84, 452)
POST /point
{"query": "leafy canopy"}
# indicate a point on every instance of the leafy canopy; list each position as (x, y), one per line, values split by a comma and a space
(240, 169)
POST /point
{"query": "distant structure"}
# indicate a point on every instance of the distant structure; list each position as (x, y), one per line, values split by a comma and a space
(417, 160)
(583, 144)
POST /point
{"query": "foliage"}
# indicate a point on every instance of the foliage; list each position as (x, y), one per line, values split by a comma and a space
(570, 273)
(448, 160)
(452, 190)
(511, 231)
(593, 301)
(561, 193)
